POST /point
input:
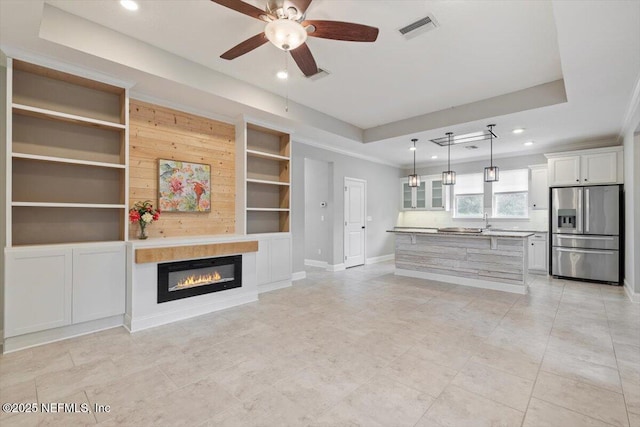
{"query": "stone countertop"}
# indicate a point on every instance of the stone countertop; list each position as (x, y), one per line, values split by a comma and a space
(484, 234)
(493, 228)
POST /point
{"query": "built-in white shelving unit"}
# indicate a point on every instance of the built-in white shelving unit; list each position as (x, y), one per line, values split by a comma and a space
(268, 180)
(67, 165)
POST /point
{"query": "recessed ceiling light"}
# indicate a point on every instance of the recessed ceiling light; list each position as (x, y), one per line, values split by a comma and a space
(528, 143)
(282, 75)
(434, 157)
(518, 130)
(129, 4)
(413, 148)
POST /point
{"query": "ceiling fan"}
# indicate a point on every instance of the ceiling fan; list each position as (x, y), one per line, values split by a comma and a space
(288, 29)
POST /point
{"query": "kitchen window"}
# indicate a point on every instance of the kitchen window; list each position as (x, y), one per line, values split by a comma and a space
(468, 196)
(511, 194)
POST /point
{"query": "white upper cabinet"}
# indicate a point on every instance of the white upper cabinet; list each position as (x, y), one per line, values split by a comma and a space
(539, 189)
(586, 167)
(599, 168)
(430, 195)
(564, 170)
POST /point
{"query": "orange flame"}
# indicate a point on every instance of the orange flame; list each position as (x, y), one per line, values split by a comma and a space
(203, 279)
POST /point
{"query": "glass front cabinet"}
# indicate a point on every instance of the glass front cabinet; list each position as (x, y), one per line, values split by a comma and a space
(429, 195)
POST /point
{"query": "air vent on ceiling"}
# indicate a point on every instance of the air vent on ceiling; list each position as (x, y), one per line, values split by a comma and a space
(418, 27)
(319, 75)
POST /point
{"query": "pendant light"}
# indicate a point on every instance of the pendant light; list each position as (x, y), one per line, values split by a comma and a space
(414, 179)
(491, 173)
(449, 176)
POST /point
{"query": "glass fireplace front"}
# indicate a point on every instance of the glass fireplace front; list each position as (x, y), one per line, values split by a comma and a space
(184, 279)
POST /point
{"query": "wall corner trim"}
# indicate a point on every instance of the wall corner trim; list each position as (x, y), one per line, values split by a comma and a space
(299, 275)
(633, 296)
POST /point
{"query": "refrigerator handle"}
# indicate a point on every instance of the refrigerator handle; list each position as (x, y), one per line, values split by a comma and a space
(580, 212)
(586, 210)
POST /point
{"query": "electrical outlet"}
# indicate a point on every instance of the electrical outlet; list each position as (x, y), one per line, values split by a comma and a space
(321, 217)
(319, 251)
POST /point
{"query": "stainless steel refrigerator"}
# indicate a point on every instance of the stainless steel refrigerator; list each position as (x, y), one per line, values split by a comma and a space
(586, 225)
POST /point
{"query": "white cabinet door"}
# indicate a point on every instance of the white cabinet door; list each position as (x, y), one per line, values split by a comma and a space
(564, 170)
(263, 261)
(437, 194)
(280, 259)
(37, 290)
(99, 282)
(421, 195)
(599, 168)
(539, 189)
(537, 255)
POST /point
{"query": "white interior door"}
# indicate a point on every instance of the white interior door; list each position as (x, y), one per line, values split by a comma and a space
(355, 194)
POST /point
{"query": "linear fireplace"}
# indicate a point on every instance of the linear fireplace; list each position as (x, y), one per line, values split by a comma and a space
(185, 279)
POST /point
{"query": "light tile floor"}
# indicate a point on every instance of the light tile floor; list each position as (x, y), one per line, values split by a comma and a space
(358, 347)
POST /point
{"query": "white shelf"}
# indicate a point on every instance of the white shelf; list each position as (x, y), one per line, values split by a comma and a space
(267, 210)
(262, 181)
(67, 205)
(265, 155)
(56, 115)
(65, 160)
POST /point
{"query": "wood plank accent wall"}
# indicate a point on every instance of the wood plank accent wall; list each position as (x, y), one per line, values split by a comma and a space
(157, 132)
(469, 257)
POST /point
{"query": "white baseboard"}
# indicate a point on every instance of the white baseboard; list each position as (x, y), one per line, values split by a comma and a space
(324, 264)
(34, 339)
(268, 287)
(315, 263)
(476, 283)
(631, 294)
(336, 267)
(146, 322)
(299, 275)
(382, 258)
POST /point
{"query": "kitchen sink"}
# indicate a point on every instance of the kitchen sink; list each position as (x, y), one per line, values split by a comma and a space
(460, 230)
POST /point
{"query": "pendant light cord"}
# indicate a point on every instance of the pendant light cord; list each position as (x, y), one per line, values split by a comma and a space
(491, 136)
(449, 154)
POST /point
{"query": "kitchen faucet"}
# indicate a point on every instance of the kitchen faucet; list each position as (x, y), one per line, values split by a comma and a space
(486, 220)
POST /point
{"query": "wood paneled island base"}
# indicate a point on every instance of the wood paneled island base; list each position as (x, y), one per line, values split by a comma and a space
(490, 260)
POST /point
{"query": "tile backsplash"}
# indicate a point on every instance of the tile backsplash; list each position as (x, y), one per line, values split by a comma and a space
(538, 220)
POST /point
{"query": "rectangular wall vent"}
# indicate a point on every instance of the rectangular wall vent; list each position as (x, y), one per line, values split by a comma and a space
(418, 27)
(320, 74)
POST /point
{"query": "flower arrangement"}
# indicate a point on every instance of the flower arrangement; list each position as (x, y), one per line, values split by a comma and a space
(144, 214)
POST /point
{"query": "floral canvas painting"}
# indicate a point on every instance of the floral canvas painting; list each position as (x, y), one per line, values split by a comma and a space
(184, 187)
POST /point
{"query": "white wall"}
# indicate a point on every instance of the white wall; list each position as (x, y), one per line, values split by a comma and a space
(632, 207)
(3, 154)
(318, 219)
(383, 200)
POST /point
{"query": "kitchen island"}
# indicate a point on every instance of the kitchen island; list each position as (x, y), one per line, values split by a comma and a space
(485, 259)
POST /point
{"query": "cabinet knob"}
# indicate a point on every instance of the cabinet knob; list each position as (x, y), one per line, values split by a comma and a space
(585, 180)
(532, 244)
(577, 180)
(534, 205)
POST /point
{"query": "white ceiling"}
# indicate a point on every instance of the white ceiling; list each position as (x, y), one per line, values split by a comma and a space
(386, 92)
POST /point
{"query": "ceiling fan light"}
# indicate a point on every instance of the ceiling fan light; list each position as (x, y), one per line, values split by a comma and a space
(129, 4)
(285, 34)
